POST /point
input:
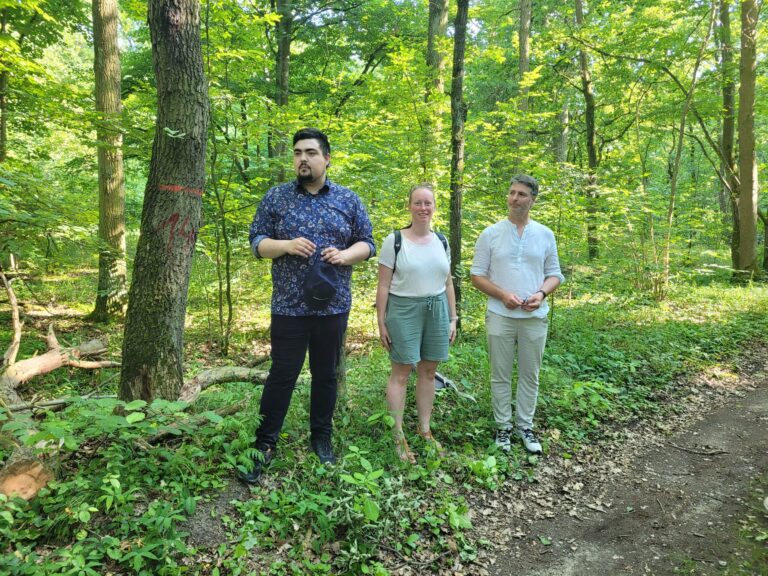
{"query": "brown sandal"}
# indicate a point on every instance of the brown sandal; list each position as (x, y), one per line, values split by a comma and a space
(404, 451)
(427, 436)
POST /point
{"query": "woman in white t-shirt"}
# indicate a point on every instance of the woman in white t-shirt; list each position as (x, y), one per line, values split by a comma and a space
(416, 309)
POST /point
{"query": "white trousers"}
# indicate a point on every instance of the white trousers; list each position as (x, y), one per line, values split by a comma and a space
(506, 336)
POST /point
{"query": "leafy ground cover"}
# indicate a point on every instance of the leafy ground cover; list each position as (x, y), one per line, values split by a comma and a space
(125, 504)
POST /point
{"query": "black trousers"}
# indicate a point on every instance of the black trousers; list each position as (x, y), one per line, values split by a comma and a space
(291, 337)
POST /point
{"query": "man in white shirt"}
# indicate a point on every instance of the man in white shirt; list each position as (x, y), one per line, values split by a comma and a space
(517, 266)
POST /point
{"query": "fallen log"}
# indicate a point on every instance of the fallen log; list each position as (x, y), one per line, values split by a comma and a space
(192, 388)
(24, 474)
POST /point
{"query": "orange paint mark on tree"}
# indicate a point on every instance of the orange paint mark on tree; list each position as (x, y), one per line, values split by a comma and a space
(179, 188)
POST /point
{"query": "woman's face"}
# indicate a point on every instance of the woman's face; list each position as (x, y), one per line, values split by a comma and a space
(422, 205)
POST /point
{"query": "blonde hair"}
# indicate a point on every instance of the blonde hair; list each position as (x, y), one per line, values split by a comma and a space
(422, 186)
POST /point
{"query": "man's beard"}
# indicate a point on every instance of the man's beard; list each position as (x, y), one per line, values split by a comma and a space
(305, 178)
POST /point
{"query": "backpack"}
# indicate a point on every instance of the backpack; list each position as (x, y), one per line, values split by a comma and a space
(399, 244)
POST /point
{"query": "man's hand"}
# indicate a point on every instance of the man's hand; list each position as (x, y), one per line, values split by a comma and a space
(336, 257)
(533, 302)
(511, 301)
(300, 247)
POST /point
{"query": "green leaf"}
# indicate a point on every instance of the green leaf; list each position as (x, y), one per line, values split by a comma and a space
(370, 509)
(134, 417)
(135, 405)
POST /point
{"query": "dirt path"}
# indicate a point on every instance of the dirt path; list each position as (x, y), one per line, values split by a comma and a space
(666, 498)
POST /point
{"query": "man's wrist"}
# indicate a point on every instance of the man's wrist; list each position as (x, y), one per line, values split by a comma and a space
(544, 294)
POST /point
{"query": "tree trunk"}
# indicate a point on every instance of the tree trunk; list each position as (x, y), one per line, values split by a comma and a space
(592, 160)
(282, 82)
(729, 182)
(747, 263)
(154, 328)
(111, 295)
(675, 168)
(3, 95)
(458, 117)
(561, 138)
(524, 40)
(433, 91)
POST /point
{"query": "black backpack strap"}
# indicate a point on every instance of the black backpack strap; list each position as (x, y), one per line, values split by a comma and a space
(398, 245)
(443, 240)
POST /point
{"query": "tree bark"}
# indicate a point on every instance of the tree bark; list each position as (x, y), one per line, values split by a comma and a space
(729, 188)
(524, 41)
(282, 82)
(111, 295)
(458, 118)
(592, 160)
(433, 91)
(747, 210)
(154, 330)
(3, 96)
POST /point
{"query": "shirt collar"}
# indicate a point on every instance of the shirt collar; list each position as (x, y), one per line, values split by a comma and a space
(324, 190)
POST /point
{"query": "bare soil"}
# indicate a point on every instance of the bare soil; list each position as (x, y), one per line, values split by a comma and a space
(665, 499)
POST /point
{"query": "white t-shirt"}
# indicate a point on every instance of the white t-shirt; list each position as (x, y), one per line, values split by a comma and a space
(422, 269)
(517, 264)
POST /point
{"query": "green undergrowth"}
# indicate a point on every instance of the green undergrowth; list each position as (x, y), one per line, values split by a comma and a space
(124, 502)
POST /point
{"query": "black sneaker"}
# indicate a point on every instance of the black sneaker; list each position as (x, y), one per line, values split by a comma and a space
(265, 456)
(324, 450)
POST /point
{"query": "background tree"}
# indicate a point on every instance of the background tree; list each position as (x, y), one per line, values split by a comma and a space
(748, 198)
(111, 293)
(458, 118)
(154, 329)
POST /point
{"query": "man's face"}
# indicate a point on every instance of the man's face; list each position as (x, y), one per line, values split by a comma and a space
(520, 199)
(309, 161)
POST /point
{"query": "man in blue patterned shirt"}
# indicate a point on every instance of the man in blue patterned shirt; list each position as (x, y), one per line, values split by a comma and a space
(295, 224)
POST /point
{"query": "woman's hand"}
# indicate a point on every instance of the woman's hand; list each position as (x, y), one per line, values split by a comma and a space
(386, 341)
(452, 330)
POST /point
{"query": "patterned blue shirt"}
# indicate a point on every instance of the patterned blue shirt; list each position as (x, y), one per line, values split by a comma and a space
(335, 216)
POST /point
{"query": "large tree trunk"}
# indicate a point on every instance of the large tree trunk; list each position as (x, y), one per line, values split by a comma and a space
(729, 182)
(592, 160)
(433, 91)
(458, 117)
(111, 295)
(747, 263)
(154, 328)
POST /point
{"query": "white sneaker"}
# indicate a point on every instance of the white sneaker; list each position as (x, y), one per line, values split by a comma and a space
(529, 440)
(502, 439)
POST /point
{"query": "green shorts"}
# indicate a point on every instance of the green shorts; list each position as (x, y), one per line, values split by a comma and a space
(418, 328)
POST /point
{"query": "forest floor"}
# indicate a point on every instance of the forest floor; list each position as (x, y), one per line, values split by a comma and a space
(665, 495)
(666, 498)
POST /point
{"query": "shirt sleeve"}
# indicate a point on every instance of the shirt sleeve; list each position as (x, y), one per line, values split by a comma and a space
(264, 223)
(481, 262)
(387, 255)
(363, 230)
(552, 261)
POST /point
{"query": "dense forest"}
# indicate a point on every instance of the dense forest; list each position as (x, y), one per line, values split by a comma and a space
(137, 139)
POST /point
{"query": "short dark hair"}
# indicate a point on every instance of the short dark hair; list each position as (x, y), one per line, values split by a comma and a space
(313, 134)
(529, 181)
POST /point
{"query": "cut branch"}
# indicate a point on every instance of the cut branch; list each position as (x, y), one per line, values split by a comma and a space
(10, 355)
